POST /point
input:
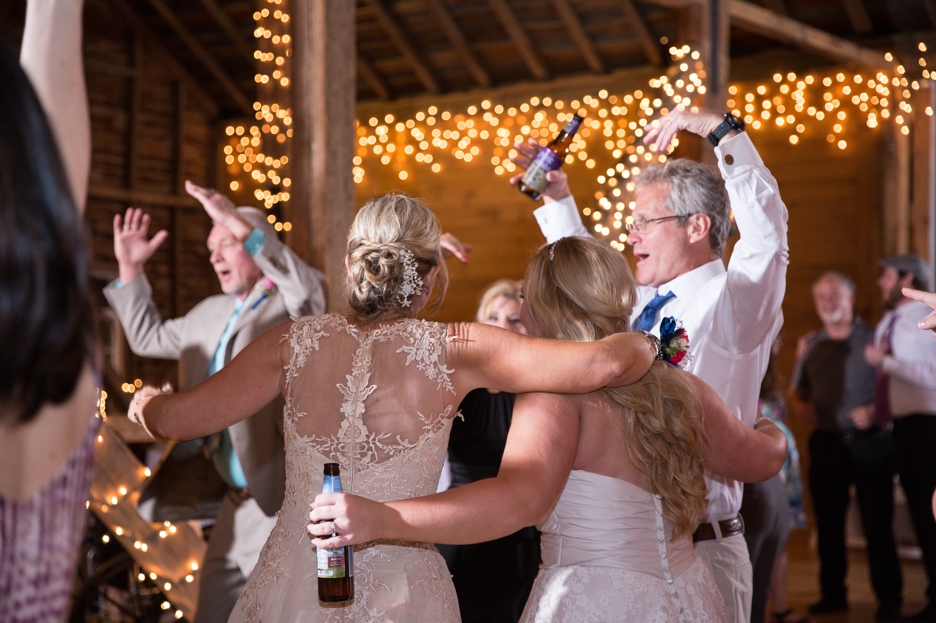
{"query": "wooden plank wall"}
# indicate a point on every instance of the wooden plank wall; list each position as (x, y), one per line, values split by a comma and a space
(148, 137)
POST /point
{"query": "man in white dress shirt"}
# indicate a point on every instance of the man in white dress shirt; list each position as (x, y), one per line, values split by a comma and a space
(681, 223)
(907, 393)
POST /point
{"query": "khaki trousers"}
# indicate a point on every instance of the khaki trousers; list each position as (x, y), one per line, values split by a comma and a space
(730, 564)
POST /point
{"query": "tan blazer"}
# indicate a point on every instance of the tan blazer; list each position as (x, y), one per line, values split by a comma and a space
(193, 340)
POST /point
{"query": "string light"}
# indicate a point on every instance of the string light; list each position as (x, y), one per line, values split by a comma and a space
(257, 154)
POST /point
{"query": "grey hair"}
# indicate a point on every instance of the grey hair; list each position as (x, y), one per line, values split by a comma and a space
(694, 188)
(831, 274)
(257, 218)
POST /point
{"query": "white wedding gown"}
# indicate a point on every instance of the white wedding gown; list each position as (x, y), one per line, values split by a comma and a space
(608, 557)
(379, 403)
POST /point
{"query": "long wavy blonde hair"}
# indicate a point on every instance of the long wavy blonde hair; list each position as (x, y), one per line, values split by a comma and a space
(580, 289)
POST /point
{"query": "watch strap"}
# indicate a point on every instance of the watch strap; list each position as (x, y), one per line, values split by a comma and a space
(730, 123)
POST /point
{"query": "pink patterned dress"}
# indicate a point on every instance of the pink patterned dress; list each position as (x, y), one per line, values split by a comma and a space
(40, 540)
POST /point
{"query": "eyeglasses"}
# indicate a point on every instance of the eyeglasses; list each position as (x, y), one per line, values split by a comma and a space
(638, 227)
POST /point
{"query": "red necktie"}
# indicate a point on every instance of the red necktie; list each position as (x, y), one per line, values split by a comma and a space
(882, 411)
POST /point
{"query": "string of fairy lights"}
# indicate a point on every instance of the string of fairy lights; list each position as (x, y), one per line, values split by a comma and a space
(107, 503)
(257, 154)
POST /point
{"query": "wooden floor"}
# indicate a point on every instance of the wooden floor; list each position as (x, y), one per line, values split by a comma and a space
(804, 583)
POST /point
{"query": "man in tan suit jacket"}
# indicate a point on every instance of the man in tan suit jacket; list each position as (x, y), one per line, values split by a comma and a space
(264, 283)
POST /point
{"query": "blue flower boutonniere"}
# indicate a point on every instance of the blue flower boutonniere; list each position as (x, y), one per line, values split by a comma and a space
(267, 289)
(674, 342)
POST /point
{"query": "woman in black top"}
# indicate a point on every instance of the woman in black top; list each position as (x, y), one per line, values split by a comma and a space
(492, 579)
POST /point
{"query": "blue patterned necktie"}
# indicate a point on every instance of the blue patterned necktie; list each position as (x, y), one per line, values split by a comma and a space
(648, 317)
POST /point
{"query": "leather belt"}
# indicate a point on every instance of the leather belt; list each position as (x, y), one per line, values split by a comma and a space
(729, 527)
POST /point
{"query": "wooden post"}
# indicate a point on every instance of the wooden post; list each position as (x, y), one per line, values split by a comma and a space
(923, 205)
(895, 212)
(322, 203)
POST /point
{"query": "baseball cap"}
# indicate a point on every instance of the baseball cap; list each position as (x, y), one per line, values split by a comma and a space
(909, 263)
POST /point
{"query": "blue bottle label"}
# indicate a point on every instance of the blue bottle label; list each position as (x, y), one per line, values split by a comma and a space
(535, 176)
(331, 562)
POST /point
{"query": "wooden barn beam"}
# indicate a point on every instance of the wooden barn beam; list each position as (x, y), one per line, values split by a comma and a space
(777, 6)
(761, 21)
(136, 197)
(858, 16)
(645, 36)
(458, 41)
(931, 10)
(520, 38)
(243, 103)
(393, 28)
(246, 50)
(322, 205)
(574, 25)
(165, 58)
(373, 79)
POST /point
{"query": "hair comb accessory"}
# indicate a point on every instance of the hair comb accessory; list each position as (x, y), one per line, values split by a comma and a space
(412, 282)
(674, 343)
(552, 250)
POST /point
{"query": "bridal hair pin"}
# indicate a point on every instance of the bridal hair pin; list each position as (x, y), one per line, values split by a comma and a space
(412, 283)
(552, 251)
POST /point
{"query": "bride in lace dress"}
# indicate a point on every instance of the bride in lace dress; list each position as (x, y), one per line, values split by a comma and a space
(614, 478)
(375, 391)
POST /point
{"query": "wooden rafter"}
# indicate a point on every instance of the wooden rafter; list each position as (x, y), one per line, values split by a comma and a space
(931, 10)
(457, 39)
(520, 38)
(759, 20)
(373, 79)
(777, 6)
(207, 60)
(648, 41)
(574, 25)
(858, 16)
(393, 28)
(164, 57)
(228, 26)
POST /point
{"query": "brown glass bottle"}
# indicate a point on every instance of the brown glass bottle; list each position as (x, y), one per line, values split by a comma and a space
(335, 566)
(548, 159)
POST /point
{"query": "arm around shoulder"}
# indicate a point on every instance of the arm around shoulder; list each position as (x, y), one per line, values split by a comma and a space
(494, 358)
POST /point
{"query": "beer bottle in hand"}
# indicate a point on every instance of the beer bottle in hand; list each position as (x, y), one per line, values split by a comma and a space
(335, 566)
(549, 159)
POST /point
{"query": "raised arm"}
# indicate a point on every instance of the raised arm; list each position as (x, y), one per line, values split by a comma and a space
(737, 451)
(241, 388)
(51, 57)
(538, 457)
(484, 356)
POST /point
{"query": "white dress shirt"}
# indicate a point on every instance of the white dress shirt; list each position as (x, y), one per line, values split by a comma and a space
(911, 365)
(731, 316)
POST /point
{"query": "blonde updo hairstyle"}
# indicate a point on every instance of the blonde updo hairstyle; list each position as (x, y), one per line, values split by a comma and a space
(383, 229)
(502, 288)
(581, 290)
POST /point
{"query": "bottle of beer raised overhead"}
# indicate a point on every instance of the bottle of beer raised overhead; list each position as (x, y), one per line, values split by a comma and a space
(549, 159)
(335, 566)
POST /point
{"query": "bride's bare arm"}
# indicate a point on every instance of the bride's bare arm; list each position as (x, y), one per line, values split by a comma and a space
(485, 356)
(737, 451)
(241, 388)
(540, 450)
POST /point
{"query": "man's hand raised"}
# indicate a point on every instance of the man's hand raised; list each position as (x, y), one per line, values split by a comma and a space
(132, 247)
(701, 121)
(558, 187)
(221, 210)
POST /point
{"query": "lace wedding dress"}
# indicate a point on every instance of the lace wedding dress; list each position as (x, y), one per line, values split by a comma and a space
(607, 556)
(379, 403)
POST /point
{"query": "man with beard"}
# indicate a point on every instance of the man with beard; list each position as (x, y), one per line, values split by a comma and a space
(906, 390)
(833, 389)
